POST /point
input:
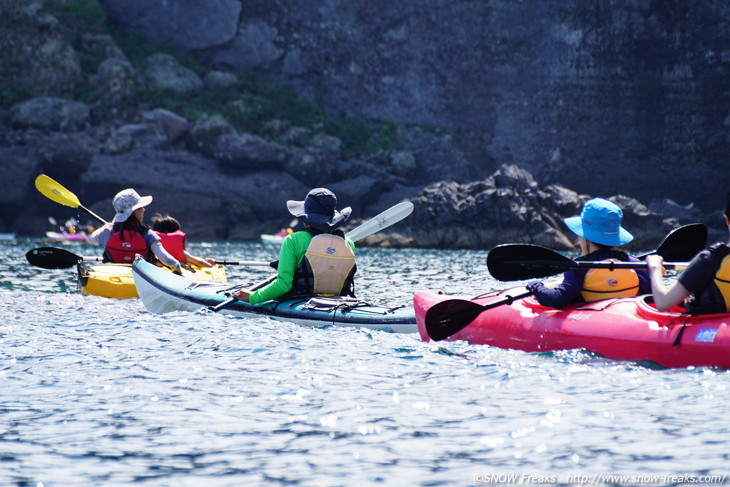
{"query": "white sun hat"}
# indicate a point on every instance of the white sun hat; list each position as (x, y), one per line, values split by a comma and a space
(126, 201)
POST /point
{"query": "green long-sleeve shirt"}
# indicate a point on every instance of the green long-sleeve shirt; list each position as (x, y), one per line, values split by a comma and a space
(291, 254)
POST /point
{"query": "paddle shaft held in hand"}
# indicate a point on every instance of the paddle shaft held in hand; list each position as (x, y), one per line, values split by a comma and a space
(514, 262)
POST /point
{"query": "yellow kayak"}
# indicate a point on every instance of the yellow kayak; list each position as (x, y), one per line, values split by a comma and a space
(116, 281)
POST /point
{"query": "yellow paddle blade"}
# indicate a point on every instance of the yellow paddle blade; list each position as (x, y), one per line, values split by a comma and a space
(55, 192)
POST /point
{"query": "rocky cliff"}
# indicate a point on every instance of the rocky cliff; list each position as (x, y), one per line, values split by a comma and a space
(594, 95)
(482, 113)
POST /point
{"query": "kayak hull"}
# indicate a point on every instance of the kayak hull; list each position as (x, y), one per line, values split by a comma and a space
(164, 292)
(271, 239)
(624, 328)
(67, 237)
(116, 280)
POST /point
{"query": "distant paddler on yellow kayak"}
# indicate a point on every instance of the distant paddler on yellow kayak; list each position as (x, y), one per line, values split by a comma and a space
(175, 241)
(127, 235)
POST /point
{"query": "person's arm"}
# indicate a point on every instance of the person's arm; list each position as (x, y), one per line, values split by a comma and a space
(664, 298)
(155, 244)
(164, 256)
(288, 262)
(101, 235)
(563, 294)
(198, 261)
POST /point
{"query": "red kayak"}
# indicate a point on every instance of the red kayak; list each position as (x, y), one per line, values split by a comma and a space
(621, 328)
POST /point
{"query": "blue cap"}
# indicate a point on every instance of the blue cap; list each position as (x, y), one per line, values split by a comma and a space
(600, 222)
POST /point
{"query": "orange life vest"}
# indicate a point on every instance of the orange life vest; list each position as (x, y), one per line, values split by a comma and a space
(606, 283)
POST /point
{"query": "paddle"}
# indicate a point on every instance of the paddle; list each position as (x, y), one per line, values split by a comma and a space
(247, 262)
(55, 258)
(55, 192)
(453, 315)
(448, 317)
(392, 215)
(514, 262)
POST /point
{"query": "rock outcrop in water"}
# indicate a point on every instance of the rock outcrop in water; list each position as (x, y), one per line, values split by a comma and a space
(509, 206)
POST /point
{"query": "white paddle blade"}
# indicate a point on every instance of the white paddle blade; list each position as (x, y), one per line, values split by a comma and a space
(392, 215)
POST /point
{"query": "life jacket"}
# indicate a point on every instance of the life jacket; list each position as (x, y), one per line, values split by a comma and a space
(606, 283)
(124, 245)
(328, 267)
(715, 296)
(722, 280)
(175, 243)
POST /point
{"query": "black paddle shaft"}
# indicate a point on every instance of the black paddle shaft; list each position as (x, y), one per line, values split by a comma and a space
(513, 262)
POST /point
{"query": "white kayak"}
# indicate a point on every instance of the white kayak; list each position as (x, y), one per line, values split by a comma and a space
(164, 292)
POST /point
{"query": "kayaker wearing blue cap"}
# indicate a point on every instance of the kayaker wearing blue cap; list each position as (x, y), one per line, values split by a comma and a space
(317, 260)
(599, 230)
(704, 285)
(128, 236)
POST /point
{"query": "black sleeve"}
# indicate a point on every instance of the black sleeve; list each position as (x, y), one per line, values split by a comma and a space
(701, 270)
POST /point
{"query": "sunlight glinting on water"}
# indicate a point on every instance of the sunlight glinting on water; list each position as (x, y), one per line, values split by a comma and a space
(99, 391)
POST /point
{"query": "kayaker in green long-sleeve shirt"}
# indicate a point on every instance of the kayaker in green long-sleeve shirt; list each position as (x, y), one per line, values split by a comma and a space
(318, 260)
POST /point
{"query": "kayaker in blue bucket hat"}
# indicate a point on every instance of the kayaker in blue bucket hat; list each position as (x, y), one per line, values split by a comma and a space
(318, 260)
(599, 230)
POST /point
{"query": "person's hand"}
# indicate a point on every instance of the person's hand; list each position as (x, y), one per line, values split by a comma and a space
(242, 295)
(654, 262)
(534, 286)
(209, 261)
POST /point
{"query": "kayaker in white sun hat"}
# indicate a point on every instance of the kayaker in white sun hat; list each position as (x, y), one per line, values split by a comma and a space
(599, 231)
(704, 286)
(127, 235)
(318, 260)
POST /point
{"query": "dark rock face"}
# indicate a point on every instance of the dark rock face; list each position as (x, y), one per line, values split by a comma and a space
(186, 23)
(509, 206)
(593, 95)
(515, 102)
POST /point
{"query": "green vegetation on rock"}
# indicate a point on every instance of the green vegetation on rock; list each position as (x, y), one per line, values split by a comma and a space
(249, 104)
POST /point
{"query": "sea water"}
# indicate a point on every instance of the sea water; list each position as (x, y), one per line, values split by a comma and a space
(100, 392)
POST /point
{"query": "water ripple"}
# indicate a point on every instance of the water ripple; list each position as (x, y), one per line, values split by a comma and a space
(101, 392)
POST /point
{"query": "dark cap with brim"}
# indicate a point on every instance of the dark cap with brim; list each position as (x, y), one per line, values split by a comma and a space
(319, 210)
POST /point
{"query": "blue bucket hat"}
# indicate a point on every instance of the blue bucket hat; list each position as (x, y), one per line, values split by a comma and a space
(319, 210)
(600, 222)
